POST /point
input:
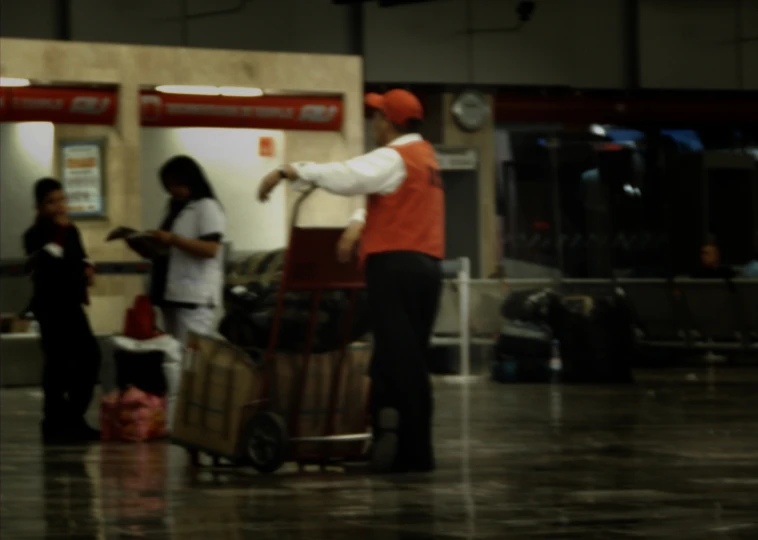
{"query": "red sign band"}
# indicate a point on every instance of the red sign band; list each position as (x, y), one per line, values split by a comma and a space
(266, 112)
(58, 105)
(98, 107)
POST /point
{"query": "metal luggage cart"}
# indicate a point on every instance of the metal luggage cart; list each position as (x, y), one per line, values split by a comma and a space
(269, 437)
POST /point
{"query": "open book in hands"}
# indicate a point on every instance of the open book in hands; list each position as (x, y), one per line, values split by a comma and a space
(142, 242)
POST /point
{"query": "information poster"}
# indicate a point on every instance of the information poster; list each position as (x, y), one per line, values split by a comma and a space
(82, 177)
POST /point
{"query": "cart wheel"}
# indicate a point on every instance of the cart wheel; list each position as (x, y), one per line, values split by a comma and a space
(266, 442)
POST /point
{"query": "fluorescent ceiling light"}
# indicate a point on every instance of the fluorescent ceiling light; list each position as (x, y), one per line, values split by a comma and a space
(14, 82)
(240, 91)
(210, 90)
(193, 90)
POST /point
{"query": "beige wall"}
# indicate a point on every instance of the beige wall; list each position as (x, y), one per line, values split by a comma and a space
(323, 209)
(131, 67)
(111, 294)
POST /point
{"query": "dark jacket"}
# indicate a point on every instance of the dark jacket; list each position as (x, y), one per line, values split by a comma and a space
(58, 273)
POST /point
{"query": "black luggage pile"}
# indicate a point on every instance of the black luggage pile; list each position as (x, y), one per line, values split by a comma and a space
(250, 295)
(597, 345)
(523, 348)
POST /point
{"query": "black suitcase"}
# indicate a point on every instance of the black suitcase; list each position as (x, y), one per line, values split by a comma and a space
(522, 353)
(518, 305)
(597, 346)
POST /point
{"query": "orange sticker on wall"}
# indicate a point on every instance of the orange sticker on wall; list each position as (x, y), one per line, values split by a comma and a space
(266, 147)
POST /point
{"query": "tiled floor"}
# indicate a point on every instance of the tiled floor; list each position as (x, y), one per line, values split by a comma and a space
(667, 458)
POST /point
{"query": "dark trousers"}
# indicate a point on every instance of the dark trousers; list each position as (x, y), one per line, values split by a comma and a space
(403, 291)
(71, 363)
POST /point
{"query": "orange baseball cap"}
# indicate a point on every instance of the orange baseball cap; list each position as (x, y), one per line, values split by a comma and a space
(399, 106)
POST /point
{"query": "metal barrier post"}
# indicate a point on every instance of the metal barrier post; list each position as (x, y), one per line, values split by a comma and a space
(464, 282)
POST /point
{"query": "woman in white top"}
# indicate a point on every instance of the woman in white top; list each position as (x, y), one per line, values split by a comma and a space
(186, 284)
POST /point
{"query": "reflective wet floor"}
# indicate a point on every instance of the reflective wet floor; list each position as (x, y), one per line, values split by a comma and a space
(671, 457)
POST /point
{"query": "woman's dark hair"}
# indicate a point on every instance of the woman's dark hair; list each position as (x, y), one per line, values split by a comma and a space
(185, 171)
(44, 187)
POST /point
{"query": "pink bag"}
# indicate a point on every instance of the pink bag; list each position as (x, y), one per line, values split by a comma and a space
(133, 416)
(108, 416)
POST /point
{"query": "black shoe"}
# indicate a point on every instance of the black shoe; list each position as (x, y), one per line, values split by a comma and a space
(80, 431)
(54, 433)
(384, 448)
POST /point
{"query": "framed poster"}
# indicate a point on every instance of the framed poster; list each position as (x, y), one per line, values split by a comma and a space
(82, 169)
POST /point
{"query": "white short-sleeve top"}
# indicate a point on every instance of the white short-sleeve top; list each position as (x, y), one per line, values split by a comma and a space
(191, 279)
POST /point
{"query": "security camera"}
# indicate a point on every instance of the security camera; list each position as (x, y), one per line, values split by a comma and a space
(525, 10)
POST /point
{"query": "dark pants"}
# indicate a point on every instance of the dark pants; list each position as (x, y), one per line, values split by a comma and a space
(71, 363)
(404, 290)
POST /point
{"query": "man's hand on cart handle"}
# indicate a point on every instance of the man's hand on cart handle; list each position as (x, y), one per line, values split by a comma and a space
(272, 179)
(349, 241)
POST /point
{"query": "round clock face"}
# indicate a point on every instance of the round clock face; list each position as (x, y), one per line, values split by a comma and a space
(471, 111)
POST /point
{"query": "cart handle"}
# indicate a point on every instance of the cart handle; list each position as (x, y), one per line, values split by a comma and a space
(298, 203)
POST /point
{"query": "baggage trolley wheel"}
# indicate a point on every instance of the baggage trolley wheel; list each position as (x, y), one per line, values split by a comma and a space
(265, 442)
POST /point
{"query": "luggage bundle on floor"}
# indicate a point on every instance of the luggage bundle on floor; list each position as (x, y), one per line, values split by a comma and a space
(145, 376)
(523, 348)
(132, 416)
(598, 340)
(596, 337)
(250, 296)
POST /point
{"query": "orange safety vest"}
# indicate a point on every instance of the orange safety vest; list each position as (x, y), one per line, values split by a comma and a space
(413, 217)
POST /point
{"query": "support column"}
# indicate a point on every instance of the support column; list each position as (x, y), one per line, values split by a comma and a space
(483, 141)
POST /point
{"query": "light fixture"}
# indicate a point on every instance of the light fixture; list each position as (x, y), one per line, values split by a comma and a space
(228, 91)
(14, 82)
(191, 90)
(239, 91)
(598, 130)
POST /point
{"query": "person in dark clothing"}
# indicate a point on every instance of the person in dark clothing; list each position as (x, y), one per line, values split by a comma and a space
(710, 264)
(61, 274)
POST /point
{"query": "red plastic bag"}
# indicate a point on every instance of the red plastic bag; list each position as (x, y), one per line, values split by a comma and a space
(140, 319)
(132, 416)
(108, 414)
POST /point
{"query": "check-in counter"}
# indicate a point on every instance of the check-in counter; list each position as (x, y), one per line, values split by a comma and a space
(21, 355)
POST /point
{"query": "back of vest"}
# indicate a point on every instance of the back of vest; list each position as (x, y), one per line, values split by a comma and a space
(413, 217)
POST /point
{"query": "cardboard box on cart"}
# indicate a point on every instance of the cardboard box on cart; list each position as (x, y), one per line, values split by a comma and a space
(220, 381)
(351, 401)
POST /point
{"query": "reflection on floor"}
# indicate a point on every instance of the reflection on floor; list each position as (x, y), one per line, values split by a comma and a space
(667, 458)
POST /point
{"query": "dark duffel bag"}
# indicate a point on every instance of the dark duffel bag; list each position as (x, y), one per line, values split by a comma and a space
(523, 339)
(520, 305)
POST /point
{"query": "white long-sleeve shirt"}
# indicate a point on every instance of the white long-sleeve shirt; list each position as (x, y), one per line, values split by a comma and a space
(381, 171)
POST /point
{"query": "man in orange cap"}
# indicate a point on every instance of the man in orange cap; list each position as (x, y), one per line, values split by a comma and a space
(402, 241)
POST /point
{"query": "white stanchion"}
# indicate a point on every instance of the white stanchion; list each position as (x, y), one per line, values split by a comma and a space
(457, 330)
(464, 282)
